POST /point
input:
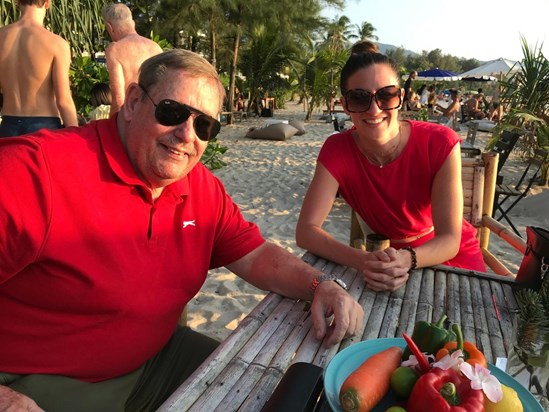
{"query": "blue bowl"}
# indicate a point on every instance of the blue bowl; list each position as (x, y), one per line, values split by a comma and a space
(346, 361)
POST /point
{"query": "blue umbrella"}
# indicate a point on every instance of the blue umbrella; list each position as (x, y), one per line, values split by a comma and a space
(437, 75)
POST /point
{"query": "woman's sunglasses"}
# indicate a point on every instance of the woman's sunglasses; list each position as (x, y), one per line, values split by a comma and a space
(171, 113)
(387, 98)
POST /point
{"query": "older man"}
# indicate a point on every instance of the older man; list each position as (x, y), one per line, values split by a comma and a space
(126, 53)
(34, 74)
(110, 230)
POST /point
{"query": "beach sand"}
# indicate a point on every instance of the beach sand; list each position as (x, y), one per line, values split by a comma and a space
(268, 180)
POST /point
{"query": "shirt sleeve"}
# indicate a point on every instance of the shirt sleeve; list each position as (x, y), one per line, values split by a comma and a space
(25, 203)
(235, 236)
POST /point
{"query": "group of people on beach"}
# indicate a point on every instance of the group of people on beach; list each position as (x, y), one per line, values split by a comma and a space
(110, 228)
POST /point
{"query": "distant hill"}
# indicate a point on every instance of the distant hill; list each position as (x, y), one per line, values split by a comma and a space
(384, 48)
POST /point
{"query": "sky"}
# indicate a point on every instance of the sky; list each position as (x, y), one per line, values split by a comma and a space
(480, 29)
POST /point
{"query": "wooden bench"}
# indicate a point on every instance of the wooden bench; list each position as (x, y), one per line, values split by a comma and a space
(237, 116)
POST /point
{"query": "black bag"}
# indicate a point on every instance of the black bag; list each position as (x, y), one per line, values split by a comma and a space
(535, 262)
(266, 112)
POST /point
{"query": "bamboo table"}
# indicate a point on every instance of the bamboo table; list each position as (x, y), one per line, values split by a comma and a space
(245, 369)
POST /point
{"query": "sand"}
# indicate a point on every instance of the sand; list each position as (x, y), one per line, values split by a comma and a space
(268, 180)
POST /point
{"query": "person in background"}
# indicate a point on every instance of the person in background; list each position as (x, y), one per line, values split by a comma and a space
(413, 101)
(100, 97)
(34, 74)
(494, 113)
(484, 104)
(408, 88)
(126, 53)
(110, 230)
(422, 213)
(432, 99)
(423, 93)
(473, 107)
(449, 112)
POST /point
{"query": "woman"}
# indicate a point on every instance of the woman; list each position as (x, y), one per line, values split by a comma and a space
(403, 178)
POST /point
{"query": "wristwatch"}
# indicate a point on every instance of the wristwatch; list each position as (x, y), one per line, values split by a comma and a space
(322, 278)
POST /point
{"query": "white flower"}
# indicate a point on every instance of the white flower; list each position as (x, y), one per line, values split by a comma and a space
(412, 361)
(481, 378)
(450, 361)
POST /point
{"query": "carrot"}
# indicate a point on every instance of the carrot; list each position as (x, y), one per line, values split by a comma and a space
(368, 384)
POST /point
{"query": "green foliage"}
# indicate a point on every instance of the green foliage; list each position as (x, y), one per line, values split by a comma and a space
(212, 155)
(423, 115)
(526, 99)
(8, 12)
(80, 23)
(84, 74)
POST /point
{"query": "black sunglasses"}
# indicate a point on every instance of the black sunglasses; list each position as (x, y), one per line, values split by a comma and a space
(387, 98)
(171, 113)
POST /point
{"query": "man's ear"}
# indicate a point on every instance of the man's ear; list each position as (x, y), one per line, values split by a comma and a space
(108, 27)
(134, 94)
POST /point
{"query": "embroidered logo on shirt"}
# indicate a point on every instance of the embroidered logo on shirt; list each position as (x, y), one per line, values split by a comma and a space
(188, 223)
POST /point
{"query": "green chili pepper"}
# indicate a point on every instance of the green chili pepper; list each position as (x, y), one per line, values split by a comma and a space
(430, 337)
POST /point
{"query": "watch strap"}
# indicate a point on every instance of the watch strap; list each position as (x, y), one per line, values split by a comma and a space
(325, 277)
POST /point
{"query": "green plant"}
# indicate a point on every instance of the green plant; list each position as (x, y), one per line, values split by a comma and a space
(212, 155)
(84, 74)
(525, 96)
(423, 115)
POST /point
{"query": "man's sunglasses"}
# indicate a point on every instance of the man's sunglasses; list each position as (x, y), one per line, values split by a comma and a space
(171, 113)
(387, 98)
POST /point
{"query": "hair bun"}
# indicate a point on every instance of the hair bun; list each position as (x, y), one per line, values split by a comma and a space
(364, 46)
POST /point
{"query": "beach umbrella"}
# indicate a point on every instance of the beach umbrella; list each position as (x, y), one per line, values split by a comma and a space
(492, 70)
(437, 75)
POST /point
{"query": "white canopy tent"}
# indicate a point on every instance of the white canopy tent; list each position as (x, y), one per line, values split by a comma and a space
(492, 70)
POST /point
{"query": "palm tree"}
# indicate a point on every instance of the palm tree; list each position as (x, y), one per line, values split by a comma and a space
(526, 95)
(366, 31)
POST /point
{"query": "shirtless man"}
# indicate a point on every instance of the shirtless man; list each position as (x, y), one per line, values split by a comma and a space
(126, 53)
(473, 107)
(34, 74)
(449, 112)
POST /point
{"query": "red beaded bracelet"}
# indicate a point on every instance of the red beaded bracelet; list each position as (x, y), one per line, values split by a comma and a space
(414, 257)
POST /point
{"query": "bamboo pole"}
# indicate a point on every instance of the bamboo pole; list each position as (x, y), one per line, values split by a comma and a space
(504, 233)
(477, 196)
(493, 263)
(490, 160)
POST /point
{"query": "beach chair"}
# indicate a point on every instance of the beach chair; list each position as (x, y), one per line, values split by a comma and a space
(464, 114)
(520, 189)
(472, 129)
(479, 182)
(504, 145)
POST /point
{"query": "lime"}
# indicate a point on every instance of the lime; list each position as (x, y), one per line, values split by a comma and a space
(403, 380)
(395, 409)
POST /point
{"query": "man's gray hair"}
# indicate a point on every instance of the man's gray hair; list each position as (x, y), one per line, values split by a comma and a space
(117, 14)
(154, 69)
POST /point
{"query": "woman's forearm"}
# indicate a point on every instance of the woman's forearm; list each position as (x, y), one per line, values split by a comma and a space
(321, 243)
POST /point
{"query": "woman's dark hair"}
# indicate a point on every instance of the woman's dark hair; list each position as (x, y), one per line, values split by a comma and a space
(100, 94)
(361, 60)
(364, 46)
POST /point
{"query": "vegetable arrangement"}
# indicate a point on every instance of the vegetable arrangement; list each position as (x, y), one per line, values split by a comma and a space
(439, 372)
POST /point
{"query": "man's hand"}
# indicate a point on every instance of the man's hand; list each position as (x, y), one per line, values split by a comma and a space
(11, 401)
(330, 299)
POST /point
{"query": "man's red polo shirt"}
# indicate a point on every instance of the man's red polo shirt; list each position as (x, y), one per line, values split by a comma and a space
(93, 274)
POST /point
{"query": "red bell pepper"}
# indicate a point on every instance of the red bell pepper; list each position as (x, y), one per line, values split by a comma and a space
(444, 391)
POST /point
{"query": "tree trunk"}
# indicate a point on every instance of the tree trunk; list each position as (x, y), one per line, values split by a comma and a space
(213, 46)
(232, 71)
